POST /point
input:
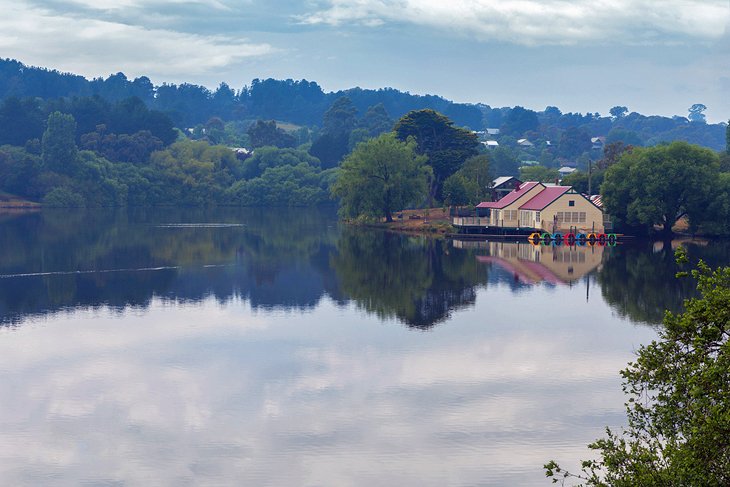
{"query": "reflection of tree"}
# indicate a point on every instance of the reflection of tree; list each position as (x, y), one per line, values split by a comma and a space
(413, 279)
(638, 280)
(273, 259)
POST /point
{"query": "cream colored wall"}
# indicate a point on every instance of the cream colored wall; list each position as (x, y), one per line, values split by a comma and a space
(568, 263)
(571, 263)
(515, 207)
(594, 216)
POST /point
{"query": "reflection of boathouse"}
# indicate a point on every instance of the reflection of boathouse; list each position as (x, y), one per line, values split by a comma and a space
(533, 206)
(531, 264)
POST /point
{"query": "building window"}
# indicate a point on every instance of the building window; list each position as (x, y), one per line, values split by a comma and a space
(537, 216)
(571, 202)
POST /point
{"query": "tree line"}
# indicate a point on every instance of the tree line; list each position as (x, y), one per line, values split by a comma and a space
(298, 101)
(304, 103)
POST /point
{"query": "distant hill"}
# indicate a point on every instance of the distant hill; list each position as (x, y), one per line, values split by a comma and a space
(301, 102)
(304, 103)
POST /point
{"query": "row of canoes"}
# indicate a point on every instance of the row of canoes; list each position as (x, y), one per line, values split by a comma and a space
(573, 239)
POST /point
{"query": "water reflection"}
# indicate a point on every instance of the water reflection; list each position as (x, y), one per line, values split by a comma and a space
(292, 259)
(418, 280)
(532, 264)
(178, 347)
(638, 279)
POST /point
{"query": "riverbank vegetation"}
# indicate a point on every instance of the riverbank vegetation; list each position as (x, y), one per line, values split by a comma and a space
(67, 141)
(678, 408)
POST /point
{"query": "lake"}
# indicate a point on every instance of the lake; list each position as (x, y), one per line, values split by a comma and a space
(277, 348)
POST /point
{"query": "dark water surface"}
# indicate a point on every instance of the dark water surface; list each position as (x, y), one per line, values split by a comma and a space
(246, 347)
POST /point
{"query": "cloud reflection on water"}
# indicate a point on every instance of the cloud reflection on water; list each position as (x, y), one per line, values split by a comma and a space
(221, 394)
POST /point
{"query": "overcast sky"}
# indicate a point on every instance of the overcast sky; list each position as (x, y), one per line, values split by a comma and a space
(654, 56)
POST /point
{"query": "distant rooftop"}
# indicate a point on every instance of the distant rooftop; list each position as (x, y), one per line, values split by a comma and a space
(509, 198)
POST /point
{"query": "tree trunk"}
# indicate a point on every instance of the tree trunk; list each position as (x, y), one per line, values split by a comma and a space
(667, 231)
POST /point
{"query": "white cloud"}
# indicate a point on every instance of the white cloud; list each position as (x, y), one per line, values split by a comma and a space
(112, 5)
(533, 22)
(89, 46)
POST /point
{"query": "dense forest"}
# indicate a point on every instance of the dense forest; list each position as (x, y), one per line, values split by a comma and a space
(69, 141)
(304, 103)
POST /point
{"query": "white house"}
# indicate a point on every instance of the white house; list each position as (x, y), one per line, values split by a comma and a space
(565, 170)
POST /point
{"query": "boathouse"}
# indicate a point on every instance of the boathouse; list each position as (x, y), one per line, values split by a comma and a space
(533, 206)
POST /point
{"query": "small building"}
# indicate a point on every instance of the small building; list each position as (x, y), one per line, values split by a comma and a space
(492, 131)
(490, 144)
(525, 143)
(504, 185)
(565, 170)
(598, 143)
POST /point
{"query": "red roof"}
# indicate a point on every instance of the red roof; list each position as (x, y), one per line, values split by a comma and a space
(510, 197)
(545, 197)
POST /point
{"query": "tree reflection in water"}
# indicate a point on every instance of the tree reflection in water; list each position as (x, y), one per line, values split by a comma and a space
(417, 280)
(291, 259)
(638, 278)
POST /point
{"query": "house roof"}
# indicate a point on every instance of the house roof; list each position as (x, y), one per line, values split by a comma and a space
(566, 170)
(544, 198)
(510, 197)
(503, 179)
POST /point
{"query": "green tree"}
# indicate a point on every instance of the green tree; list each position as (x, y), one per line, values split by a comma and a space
(333, 142)
(341, 117)
(678, 409)
(446, 146)
(504, 162)
(469, 185)
(20, 121)
(718, 211)
(520, 120)
(659, 185)
(574, 142)
(695, 113)
(381, 176)
(59, 151)
(266, 133)
(269, 157)
(579, 180)
(618, 112)
(376, 120)
(456, 191)
(611, 154)
(539, 173)
(623, 136)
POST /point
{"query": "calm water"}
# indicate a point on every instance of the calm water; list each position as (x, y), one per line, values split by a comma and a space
(241, 347)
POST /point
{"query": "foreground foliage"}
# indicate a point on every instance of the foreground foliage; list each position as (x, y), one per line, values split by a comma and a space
(678, 409)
